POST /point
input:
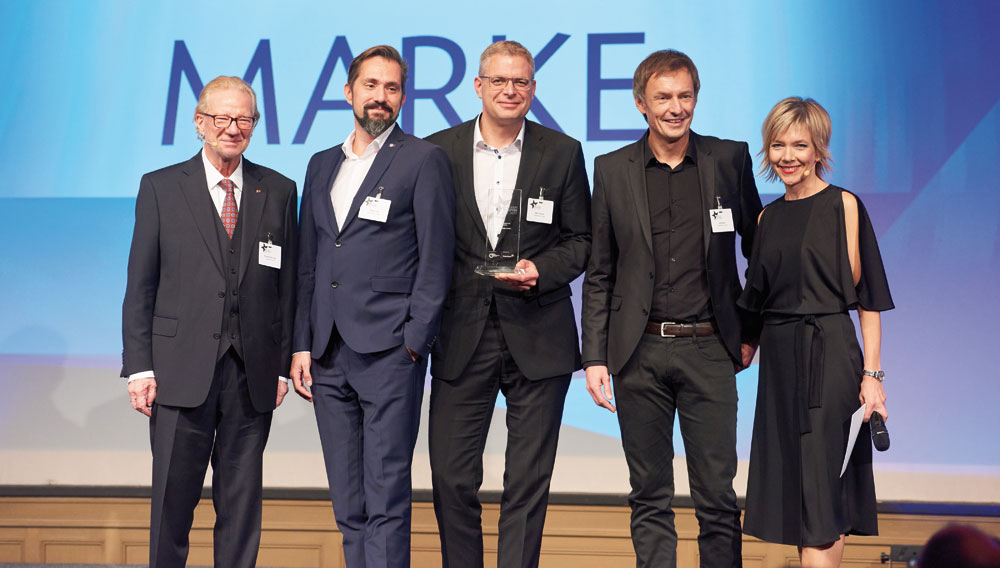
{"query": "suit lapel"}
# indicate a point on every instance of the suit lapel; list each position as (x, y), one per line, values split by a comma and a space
(322, 202)
(531, 156)
(251, 209)
(637, 187)
(464, 166)
(199, 202)
(369, 186)
(706, 179)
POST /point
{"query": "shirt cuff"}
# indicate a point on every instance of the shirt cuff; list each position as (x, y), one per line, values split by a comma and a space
(149, 374)
(141, 375)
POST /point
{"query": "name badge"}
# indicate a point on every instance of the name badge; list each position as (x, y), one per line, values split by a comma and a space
(539, 211)
(375, 208)
(269, 254)
(722, 220)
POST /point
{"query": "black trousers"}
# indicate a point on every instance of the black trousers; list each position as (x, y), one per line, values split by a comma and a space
(694, 377)
(227, 431)
(460, 416)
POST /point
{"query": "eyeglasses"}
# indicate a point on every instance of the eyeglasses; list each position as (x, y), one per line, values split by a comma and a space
(222, 121)
(498, 82)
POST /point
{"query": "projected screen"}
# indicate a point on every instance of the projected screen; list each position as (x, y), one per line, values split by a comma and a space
(98, 93)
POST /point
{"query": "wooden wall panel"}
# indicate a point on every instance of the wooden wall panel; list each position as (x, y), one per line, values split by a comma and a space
(302, 534)
(11, 549)
(134, 546)
(65, 546)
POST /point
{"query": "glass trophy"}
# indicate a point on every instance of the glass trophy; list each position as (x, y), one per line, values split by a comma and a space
(503, 227)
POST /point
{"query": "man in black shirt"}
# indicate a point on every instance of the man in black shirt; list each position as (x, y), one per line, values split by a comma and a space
(659, 309)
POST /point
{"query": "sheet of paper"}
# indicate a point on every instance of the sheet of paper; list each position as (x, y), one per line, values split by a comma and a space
(856, 420)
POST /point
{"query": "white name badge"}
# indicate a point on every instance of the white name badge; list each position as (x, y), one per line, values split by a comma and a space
(722, 220)
(539, 211)
(375, 209)
(269, 255)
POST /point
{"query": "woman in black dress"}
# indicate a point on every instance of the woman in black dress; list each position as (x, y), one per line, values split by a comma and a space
(815, 257)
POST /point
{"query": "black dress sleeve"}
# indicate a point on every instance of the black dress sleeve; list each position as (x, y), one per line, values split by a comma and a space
(873, 288)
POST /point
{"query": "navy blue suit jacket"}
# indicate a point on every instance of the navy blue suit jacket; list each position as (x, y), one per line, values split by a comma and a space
(379, 284)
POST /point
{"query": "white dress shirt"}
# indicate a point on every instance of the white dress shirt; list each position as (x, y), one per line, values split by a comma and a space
(495, 168)
(352, 173)
(213, 177)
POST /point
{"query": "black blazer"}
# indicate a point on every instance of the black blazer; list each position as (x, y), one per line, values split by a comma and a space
(618, 288)
(172, 313)
(539, 325)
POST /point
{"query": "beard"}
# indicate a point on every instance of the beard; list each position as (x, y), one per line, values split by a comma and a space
(373, 126)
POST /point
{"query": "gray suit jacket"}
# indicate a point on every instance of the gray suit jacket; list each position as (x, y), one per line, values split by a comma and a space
(172, 312)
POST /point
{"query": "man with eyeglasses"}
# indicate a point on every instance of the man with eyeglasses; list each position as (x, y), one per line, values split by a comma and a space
(514, 332)
(206, 326)
(377, 237)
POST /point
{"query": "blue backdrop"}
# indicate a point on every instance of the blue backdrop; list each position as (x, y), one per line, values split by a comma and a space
(100, 92)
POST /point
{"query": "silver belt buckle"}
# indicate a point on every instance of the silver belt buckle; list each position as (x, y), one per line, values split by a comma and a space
(663, 326)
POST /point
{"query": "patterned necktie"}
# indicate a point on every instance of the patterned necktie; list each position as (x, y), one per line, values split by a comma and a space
(229, 207)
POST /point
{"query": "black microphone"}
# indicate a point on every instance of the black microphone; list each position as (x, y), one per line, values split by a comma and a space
(880, 435)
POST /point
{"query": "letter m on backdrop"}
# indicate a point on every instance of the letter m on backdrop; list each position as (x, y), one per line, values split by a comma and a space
(182, 64)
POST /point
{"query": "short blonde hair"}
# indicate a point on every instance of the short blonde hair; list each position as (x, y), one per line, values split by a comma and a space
(222, 83)
(507, 47)
(797, 111)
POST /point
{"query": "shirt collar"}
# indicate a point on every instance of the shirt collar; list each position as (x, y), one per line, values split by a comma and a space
(518, 142)
(690, 153)
(213, 177)
(373, 147)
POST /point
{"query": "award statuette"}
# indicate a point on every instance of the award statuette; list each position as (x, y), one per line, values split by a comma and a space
(503, 232)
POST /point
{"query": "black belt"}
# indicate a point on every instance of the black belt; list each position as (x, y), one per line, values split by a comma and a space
(673, 329)
(809, 353)
(810, 347)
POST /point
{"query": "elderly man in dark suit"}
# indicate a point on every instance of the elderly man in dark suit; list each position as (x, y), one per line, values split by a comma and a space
(515, 333)
(377, 235)
(207, 326)
(659, 309)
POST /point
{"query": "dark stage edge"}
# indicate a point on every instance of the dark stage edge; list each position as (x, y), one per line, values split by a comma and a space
(34, 565)
(492, 497)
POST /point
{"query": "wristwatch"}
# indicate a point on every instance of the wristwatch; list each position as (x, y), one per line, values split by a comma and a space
(877, 375)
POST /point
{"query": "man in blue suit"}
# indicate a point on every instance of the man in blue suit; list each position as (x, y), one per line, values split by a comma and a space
(377, 240)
